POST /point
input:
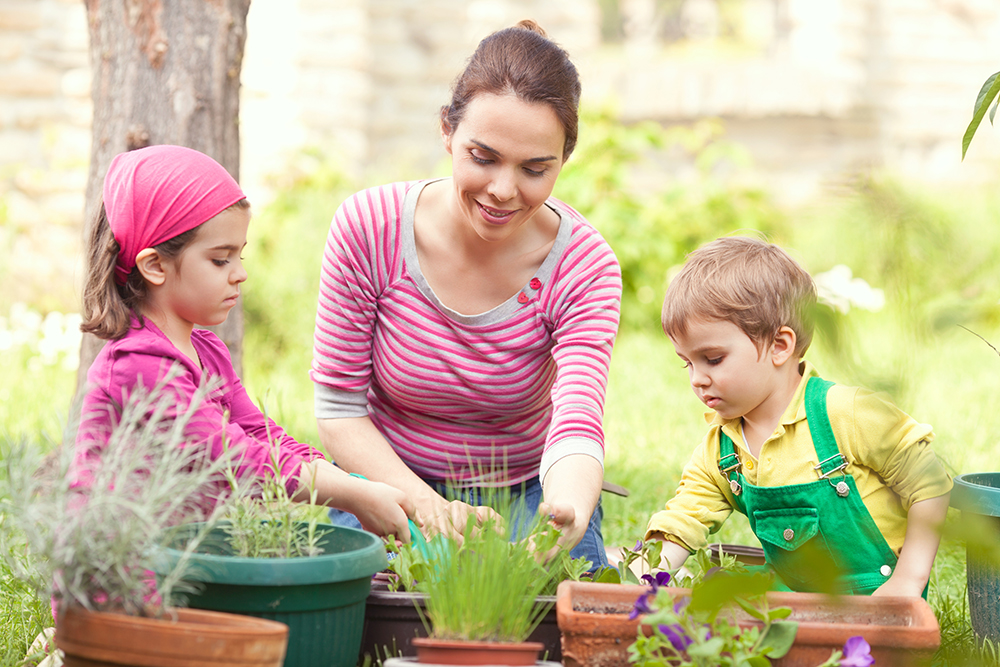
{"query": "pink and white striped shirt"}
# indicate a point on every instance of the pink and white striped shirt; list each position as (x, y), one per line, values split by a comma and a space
(464, 397)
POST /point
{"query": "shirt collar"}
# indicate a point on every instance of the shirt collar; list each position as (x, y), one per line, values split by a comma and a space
(794, 412)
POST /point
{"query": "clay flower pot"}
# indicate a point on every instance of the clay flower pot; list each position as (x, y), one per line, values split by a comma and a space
(195, 639)
(458, 652)
(902, 632)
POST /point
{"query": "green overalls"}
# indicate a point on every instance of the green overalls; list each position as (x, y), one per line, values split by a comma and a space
(826, 514)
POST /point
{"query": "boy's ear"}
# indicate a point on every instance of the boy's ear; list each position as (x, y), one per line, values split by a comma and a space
(783, 347)
(150, 265)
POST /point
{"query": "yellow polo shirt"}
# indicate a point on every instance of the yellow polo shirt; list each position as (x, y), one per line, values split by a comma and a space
(887, 451)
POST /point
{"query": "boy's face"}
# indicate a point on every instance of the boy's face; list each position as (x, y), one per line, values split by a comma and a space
(727, 372)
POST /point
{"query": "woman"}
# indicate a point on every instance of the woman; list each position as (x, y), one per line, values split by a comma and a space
(465, 324)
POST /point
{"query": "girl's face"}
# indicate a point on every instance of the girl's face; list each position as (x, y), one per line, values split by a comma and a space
(202, 282)
(505, 155)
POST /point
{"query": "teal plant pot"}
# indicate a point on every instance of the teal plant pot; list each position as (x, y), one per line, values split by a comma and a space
(321, 599)
(978, 496)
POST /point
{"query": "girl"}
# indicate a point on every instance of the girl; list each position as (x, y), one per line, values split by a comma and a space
(164, 258)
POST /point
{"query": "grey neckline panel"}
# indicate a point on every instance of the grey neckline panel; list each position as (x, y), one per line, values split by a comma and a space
(505, 309)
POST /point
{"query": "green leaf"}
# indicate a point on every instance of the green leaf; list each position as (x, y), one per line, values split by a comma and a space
(710, 649)
(779, 638)
(607, 575)
(989, 91)
(993, 110)
(751, 609)
(720, 588)
(757, 661)
(779, 613)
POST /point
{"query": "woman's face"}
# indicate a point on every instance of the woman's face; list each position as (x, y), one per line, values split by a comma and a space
(505, 156)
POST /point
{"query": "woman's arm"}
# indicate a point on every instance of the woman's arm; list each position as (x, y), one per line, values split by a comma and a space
(571, 490)
(357, 446)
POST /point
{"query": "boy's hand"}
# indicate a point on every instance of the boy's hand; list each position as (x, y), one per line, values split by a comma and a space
(900, 586)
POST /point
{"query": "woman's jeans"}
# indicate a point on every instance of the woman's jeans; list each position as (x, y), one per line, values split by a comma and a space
(525, 499)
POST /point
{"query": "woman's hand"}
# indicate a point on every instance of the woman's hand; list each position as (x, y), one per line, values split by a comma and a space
(570, 522)
(437, 516)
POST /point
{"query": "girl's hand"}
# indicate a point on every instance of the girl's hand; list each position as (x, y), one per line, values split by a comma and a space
(382, 509)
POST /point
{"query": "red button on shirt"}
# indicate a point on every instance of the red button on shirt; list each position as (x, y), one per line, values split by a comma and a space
(535, 283)
(522, 298)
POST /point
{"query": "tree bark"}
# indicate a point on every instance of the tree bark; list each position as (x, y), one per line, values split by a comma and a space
(165, 72)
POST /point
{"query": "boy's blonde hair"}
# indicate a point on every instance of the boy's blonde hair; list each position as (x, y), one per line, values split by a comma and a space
(753, 284)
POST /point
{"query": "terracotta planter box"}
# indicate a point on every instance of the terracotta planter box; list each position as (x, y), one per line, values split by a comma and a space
(903, 632)
(392, 622)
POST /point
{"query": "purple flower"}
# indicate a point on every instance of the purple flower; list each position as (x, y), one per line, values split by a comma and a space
(661, 579)
(638, 546)
(857, 653)
(676, 636)
(641, 606)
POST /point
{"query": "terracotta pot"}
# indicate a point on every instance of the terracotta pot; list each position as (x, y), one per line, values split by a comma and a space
(902, 632)
(195, 639)
(458, 652)
(412, 662)
(392, 622)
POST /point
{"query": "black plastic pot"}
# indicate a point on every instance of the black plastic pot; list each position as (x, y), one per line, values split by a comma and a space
(392, 621)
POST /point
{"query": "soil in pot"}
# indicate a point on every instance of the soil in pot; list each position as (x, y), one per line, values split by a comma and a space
(902, 632)
(190, 638)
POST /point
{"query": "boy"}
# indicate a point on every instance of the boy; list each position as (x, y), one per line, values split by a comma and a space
(813, 465)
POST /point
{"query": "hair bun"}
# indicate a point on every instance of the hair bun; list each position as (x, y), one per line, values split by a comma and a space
(529, 24)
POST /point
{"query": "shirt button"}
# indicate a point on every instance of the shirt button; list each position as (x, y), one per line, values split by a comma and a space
(789, 534)
(749, 464)
(535, 283)
(885, 570)
(522, 298)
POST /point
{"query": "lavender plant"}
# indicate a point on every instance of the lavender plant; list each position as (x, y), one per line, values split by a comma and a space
(95, 548)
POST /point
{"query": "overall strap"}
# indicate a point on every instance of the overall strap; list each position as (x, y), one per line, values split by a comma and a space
(827, 452)
(730, 467)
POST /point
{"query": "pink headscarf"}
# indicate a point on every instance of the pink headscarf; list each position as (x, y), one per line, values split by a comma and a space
(153, 194)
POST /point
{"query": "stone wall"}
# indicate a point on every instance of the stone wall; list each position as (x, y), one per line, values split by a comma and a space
(45, 116)
(823, 89)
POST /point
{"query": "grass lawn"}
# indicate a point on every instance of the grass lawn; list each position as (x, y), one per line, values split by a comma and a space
(653, 422)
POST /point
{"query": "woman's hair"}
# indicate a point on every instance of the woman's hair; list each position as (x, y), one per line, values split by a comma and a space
(520, 61)
(753, 284)
(107, 306)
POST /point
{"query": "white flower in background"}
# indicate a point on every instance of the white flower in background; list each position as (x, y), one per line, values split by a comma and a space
(838, 289)
(53, 339)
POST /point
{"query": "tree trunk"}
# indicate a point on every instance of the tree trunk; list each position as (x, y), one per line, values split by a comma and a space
(165, 72)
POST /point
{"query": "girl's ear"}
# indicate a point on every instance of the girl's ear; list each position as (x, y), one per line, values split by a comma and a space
(150, 265)
(783, 347)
